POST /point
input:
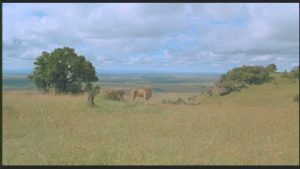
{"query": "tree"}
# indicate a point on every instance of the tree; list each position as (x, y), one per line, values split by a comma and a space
(271, 67)
(62, 70)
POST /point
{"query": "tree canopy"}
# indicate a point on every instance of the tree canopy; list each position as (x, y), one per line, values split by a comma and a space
(62, 70)
(271, 67)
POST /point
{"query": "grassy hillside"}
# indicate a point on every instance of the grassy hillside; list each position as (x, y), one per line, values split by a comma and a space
(258, 125)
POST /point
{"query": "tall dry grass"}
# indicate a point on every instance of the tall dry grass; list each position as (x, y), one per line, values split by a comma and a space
(259, 125)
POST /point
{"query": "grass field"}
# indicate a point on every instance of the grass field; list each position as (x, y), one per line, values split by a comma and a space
(258, 125)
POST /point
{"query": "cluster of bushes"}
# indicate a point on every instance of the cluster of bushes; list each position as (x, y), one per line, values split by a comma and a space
(240, 77)
(247, 75)
(294, 73)
(117, 95)
(180, 101)
(227, 87)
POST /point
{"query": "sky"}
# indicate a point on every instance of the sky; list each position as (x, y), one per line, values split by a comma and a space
(183, 37)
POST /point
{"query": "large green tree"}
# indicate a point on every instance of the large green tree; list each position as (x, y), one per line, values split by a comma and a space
(62, 70)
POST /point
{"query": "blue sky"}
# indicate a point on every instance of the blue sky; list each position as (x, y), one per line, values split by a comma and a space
(163, 37)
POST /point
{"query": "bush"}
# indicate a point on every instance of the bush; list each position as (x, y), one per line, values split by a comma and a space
(238, 78)
(246, 74)
(180, 101)
(116, 95)
(225, 89)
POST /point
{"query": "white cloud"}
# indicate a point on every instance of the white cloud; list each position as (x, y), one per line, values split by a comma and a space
(154, 34)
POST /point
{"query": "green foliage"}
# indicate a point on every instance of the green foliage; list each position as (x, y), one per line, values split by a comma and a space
(246, 74)
(62, 70)
(240, 77)
(271, 67)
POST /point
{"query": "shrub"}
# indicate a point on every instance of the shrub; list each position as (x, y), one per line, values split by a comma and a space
(246, 74)
(238, 78)
(225, 89)
(180, 101)
(116, 95)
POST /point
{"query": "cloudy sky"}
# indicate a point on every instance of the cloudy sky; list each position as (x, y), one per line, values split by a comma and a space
(170, 37)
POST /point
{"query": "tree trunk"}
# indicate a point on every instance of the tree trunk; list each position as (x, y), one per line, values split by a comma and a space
(91, 100)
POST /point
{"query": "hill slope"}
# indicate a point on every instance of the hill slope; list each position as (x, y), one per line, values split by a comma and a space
(278, 92)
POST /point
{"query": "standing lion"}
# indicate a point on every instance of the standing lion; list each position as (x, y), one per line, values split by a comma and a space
(144, 92)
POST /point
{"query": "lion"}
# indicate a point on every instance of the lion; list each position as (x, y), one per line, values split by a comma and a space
(144, 92)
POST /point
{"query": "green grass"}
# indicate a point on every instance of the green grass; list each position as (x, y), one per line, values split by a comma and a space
(256, 126)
